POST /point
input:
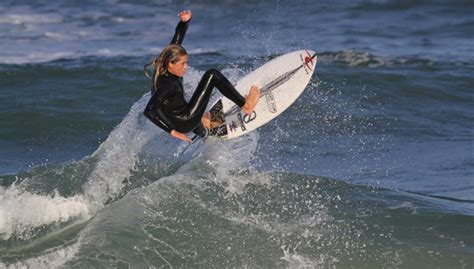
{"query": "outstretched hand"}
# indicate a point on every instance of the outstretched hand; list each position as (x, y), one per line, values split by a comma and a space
(185, 15)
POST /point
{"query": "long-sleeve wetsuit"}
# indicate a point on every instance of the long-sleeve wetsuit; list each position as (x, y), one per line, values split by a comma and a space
(167, 107)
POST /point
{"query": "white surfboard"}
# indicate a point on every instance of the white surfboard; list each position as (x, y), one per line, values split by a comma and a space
(281, 82)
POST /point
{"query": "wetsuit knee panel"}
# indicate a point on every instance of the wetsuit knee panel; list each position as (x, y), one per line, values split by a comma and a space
(212, 73)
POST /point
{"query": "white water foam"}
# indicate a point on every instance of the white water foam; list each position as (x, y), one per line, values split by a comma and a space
(298, 261)
(22, 211)
(218, 159)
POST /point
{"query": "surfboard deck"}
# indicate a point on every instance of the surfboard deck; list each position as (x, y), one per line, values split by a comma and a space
(281, 81)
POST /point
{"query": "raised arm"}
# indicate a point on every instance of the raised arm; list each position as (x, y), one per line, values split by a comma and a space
(182, 27)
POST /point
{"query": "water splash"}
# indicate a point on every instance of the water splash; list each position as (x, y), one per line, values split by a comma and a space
(117, 157)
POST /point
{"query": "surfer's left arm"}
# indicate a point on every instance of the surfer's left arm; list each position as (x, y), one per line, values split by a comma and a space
(182, 27)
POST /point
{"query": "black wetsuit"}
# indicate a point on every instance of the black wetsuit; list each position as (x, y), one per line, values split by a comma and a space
(167, 107)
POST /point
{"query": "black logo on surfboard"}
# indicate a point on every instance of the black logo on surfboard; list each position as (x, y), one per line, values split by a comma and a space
(246, 119)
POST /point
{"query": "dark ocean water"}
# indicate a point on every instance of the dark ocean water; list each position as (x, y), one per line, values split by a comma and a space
(373, 167)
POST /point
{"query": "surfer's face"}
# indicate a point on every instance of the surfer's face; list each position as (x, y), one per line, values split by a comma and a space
(179, 68)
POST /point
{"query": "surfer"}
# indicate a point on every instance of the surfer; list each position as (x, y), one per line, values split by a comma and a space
(167, 107)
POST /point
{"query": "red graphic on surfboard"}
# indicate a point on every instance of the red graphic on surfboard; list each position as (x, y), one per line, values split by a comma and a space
(308, 60)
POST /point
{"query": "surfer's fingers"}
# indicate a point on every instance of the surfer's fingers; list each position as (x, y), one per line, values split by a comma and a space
(185, 15)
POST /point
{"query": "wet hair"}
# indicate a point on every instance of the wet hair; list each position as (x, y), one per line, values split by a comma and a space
(170, 54)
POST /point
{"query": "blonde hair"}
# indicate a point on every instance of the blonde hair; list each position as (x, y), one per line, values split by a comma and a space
(171, 53)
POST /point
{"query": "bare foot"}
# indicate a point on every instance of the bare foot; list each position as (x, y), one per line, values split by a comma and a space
(206, 120)
(251, 100)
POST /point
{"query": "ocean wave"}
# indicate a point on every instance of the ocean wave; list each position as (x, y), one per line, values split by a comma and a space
(355, 58)
(53, 258)
(39, 57)
(22, 213)
(191, 217)
(294, 218)
(351, 58)
(29, 18)
(102, 178)
(390, 5)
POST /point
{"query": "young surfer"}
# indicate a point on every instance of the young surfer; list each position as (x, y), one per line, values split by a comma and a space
(167, 107)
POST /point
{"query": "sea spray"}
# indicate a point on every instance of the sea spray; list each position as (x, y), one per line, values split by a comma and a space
(117, 157)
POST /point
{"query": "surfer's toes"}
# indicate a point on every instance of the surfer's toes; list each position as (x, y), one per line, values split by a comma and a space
(251, 100)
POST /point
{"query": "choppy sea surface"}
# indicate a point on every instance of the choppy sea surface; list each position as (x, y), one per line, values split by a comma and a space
(372, 167)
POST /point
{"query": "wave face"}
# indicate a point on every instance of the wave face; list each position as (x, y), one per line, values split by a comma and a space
(371, 167)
